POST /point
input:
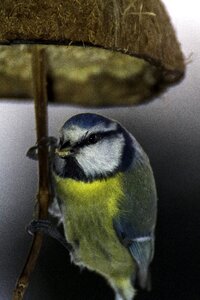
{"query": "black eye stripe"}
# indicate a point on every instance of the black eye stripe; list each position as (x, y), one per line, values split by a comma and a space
(94, 138)
(90, 139)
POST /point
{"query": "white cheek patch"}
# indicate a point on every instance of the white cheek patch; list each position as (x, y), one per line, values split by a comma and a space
(102, 157)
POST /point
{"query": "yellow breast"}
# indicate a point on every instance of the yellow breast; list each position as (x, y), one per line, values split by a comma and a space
(104, 194)
(89, 213)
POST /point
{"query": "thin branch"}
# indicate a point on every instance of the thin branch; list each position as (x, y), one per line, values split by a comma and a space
(40, 100)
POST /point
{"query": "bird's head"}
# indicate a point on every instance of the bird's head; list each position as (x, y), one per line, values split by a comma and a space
(92, 147)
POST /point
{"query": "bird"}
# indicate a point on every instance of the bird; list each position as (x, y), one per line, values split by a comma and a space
(106, 192)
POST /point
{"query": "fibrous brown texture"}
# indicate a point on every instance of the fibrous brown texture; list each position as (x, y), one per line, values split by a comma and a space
(139, 28)
(78, 75)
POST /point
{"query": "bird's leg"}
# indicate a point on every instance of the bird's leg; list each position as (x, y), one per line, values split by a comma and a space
(55, 212)
(47, 228)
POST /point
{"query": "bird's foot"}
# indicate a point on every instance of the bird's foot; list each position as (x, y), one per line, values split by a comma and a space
(47, 228)
(49, 142)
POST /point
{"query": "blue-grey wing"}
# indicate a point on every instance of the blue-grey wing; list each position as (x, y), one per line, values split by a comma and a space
(140, 246)
(142, 250)
(136, 220)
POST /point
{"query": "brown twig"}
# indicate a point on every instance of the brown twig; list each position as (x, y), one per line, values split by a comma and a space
(40, 100)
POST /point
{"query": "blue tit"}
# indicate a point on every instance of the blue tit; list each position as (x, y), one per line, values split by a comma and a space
(108, 198)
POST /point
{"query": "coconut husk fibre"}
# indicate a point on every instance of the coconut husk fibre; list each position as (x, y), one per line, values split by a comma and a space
(140, 29)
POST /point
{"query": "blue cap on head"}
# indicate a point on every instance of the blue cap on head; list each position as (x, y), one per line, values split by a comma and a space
(87, 120)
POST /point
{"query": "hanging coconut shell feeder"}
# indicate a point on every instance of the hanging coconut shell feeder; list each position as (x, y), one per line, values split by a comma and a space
(115, 52)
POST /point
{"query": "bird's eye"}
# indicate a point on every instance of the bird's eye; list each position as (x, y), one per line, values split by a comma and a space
(92, 139)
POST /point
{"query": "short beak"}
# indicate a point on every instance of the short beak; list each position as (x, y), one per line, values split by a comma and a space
(63, 152)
